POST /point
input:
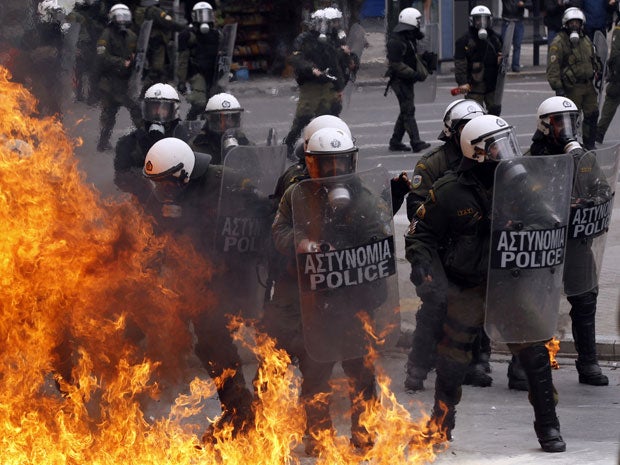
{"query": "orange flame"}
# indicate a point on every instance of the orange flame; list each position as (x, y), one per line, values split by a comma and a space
(89, 294)
(553, 346)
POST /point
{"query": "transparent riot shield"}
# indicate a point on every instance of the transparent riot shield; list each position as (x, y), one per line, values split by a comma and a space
(224, 57)
(591, 208)
(356, 41)
(426, 91)
(245, 215)
(529, 227)
(505, 63)
(69, 50)
(346, 263)
(134, 86)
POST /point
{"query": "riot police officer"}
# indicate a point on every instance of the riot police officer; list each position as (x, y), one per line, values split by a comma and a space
(557, 133)
(404, 70)
(477, 55)
(612, 90)
(430, 316)
(187, 186)
(329, 152)
(116, 49)
(319, 76)
(572, 68)
(222, 129)
(456, 215)
(202, 48)
(160, 113)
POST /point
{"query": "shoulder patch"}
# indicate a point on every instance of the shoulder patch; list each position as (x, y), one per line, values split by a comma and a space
(421, 165)
(416, 181)
(553, 58)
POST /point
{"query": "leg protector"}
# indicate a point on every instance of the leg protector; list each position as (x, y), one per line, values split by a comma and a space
(535, 362)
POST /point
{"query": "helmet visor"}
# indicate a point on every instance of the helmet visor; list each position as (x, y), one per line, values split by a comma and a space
(220, 121)
(323, 165)
(482, 22)
(162, 111)
(121, 17)
(497, 147)
(563, 126)
(203, 15)
(168, 189)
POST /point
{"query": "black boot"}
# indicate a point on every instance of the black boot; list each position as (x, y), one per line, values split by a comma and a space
(414, 380)
(398, 146)
(583, 312)
(450, 374)
(517, 378)
(419, 145)
(237, 411)
(476, 371)
(535, 361)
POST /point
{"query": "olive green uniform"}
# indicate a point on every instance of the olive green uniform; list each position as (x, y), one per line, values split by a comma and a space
(570, 72)
(114, 49)
(456, 217)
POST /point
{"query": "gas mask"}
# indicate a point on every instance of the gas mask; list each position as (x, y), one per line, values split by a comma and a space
(156, 130)
(229, 142)
(338, 196)
(204, 28)
(574, 37)
(481, 23)
(482, 34)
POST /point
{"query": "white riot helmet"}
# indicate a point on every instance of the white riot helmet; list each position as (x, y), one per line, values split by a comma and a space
(557, 119)
(330, 152)
(457, 114)
(49, 11)
(333, 19)
(480, 19)
(160, 104)
(573, 13)
(169, 160)
(223, 112)
(489, 138)
(325, 121)
(120, 14)
(202, 13)
(408, 19)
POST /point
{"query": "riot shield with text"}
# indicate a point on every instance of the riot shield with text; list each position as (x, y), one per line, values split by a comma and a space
(346, 263)
(245, 215)
(426, 91)
(531, 200)
(591, 208)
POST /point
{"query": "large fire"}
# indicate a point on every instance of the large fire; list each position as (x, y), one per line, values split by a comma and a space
(93, 319)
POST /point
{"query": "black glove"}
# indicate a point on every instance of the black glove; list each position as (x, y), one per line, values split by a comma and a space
(419, 273)
(401, 185)
(560, 92)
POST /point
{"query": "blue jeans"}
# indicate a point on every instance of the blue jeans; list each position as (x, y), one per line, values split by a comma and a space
(517, 38)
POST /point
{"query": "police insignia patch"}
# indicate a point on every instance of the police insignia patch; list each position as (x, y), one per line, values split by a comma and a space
(416, 181)
(553, 58)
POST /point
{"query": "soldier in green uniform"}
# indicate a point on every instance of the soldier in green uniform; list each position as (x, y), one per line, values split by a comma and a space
(116, 50)
(456, 215)
(319, 76)
(612, 91)
(572, 68)
(431, 314)
(159, 57)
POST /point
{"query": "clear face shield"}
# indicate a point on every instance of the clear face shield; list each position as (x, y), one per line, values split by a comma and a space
(497, 147)
(160, 111)
(203, 15)
(323, 165)
(122, 18)
(562, 126)
(482, 22)
(220, 121)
